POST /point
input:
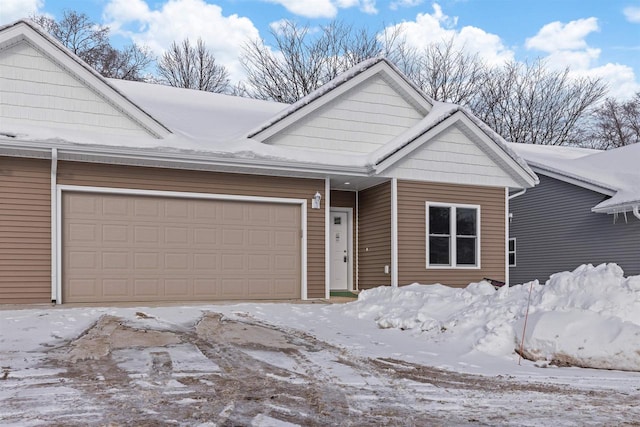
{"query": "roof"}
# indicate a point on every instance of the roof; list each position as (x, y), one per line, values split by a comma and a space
(203, 127)
(614, 173)
(198, 114)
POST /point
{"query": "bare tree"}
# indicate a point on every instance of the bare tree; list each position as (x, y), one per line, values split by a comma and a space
(442, 71)
(529, 103)
(193, 67)
(616, 123)
(90, 42)
(304, 60)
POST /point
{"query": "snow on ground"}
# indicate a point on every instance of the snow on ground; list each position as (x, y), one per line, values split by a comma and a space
(423, 354)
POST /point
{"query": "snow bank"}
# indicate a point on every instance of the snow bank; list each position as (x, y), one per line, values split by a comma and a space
(589, 317)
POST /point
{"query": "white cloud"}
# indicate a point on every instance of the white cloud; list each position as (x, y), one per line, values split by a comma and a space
(397, 4)
(558, 36)
(632, 13)
(324, 8)
(17, 9)
(309, 8)
(176, 20)
(620, 79)
(438, 27)
(566, 47)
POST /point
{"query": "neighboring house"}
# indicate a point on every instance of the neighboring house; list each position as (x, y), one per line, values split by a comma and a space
(124, 191)
(563, 222)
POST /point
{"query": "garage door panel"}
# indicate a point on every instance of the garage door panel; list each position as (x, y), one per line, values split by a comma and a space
(176, 235)
(176, 262)
(146, 207)
(146, 234)
(176, 287)
(205, 288)
(114, 206)
(116, 288)
(133, 248)
(206, 236)
(116, 260)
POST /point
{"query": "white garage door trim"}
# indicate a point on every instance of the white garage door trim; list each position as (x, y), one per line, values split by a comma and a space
(57, 286)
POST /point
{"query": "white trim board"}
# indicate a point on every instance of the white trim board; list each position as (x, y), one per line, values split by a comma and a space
(57, 284)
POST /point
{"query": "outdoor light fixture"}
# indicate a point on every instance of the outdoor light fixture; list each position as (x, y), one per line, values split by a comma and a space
(315, 202)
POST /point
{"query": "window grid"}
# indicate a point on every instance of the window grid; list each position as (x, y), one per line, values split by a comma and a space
(453, 236)
(512, 252)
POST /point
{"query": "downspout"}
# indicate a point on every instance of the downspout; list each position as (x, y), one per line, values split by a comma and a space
(54, 226)
(357, 245)
(636, 211)
(519, 193)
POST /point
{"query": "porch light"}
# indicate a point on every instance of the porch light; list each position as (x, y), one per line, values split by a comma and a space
(315, 202)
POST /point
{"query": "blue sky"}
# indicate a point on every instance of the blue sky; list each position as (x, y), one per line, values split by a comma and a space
(593, 37)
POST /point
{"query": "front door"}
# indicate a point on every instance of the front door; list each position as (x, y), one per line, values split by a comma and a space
(339, 251)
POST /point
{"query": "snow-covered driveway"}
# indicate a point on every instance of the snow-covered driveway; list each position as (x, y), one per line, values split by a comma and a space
(240, 365)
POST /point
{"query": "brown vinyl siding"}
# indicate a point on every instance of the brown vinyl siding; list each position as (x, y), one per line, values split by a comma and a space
(412, 232)
(374, 236)
(343, 199)
(147, 178)
(25, 231)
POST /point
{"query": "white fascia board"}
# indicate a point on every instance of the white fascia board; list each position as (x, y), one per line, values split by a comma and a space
(22, 31)
(618, 208)
(126, 155)
(571, 179)
(512, 168)
(262, 133)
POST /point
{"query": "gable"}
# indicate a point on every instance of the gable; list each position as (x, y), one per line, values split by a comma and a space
(358, 121)
(43, 86)
(452, 156)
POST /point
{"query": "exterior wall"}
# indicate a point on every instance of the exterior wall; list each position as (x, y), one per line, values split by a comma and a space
(360, 121)
(555, 230)
(25, 231)
(412, 232)
(374, 236)
(451, 157)
(37, 90)
(99, 175)
(347, 199)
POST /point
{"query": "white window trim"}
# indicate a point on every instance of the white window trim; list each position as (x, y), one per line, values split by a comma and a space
(514, 252)
(452, 228)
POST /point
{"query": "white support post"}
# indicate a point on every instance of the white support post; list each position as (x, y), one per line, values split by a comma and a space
(506, 236)
(327, 238)
(394, 232)
(54, 226)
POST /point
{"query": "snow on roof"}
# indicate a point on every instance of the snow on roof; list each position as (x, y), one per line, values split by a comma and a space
(617, 170)
(199, 114)
(204, 123)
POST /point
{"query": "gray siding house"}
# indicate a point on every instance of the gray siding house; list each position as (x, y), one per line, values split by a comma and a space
(584, 211)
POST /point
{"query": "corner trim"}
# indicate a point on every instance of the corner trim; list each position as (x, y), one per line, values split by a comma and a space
(394, 232)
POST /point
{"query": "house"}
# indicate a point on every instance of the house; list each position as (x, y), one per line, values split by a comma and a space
(585, 210)
(125, 191)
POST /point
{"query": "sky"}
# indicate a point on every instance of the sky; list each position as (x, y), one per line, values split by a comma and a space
(595, 38)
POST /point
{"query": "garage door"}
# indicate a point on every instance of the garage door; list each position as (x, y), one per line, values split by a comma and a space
(135, 248)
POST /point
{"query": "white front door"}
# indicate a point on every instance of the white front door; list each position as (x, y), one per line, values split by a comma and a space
(339, 251)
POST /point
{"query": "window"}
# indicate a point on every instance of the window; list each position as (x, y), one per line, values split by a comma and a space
(453, 235)
(512, 252)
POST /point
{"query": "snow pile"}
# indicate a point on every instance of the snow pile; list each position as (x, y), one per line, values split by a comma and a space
(589, 317)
